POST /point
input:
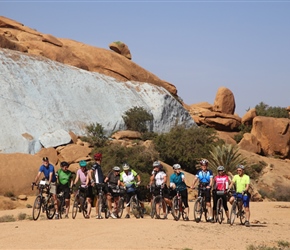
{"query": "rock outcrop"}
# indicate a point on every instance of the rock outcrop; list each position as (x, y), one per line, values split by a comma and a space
(41, 96)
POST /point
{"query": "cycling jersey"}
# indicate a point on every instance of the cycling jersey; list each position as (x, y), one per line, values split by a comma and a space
(47, 170)
(204, 176)
(177, 179)
(64, 177)
(241, 182)
(83, 177)
(128, 178)
(221, 182)
(99, 176)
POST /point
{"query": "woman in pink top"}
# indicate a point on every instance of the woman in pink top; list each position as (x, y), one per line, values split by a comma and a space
(221, 184)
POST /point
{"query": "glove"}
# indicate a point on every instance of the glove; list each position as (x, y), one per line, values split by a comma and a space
(139, 182)
(33, 184)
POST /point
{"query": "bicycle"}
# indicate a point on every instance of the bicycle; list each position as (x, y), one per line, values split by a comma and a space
(159, 206)
(219, 216)
(102, 201)
(43, 201)
(61, 204)
(80, 203)
(237, 209)
(178, 206)
(118, 211)
(200, 205)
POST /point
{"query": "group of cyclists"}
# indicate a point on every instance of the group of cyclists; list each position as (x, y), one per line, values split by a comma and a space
(128, 180)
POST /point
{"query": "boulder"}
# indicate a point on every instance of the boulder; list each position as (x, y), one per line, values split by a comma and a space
(73, 152)
(54, 139)
(126, 134)
(250, 143)
(121, 48)
(224, 101)
(273, 135)
(247, 119)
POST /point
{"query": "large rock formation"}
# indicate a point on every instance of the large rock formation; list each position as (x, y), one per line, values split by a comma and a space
(16, 36)
(40, 96)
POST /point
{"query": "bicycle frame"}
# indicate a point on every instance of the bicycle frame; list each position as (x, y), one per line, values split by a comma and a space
(200, 205)
(159, 204)
(237, 209)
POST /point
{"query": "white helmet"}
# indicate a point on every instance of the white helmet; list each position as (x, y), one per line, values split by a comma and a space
(176, 166)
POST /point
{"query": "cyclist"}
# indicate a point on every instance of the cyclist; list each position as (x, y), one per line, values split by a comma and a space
(128, 180)
(65, 182)
(242, 182)
(113, 180)
(177, 182)
(82, 175)
(221, 184)
(205, 178)
(49, 173)
(96, 176)
(158, 180)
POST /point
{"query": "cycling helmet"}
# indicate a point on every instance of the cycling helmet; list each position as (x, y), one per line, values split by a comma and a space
(156, 164)
(45, 159)
(64, 164)
(126, 166)
(116, 168)
(241, 167)
(176, 166)
(220, 168)
(203, 162)
(83, 163)
(98, 156)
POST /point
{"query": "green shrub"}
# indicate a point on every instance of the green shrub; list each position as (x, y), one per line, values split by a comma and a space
(21, 216)
(7, 218)
(137, 119)
(263, 109)
(281, 245)
(95, 135)
(185, 146)
(9, 194)
(242, 130)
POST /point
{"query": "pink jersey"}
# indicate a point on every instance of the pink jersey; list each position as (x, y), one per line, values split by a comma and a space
(221, 182)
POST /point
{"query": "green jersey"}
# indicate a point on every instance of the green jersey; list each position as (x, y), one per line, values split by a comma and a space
(64, 177)
(241, 182)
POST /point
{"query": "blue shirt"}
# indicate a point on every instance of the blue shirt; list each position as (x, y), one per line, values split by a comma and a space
(204, 176)
(47, 170)
(177, 180)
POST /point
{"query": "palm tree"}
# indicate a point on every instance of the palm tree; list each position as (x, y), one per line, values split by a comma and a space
(226, 155)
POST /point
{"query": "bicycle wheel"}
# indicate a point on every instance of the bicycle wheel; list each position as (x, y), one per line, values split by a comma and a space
(120, 207)
(220, 211)
(37, 207)
(175, 208)
(204, 209)
(242, 215)
(61, 208)
(134, 207)
(84, 207)
(161, 208)
(50, 209)
(153, 208)
(233, 213)
(75, 207)
(106, 208)
(197, 211)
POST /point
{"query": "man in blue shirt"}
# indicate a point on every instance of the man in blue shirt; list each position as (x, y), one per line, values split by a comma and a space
(49, 173)
(177, 182)
(205, 178)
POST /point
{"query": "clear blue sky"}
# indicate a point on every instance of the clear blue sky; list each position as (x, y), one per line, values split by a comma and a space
(198, 46)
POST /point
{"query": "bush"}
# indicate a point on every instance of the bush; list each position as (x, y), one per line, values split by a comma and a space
(263, 109)
(7, 218)
(243, 129)
(137, 119)
(95, 135)
(185, 146)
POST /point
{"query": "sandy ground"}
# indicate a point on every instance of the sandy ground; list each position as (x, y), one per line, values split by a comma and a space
(270, 222)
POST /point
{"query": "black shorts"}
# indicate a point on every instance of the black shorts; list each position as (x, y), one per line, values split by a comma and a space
(65, 189)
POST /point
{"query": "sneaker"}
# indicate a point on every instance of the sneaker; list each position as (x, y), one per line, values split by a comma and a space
(99, 217)
(228, 221)
(56, 216)
(247, 223)
(113, 216)
(87, 216)
(66, 216)
(143, 211)
(211, 220)
(157, 216)
(127, 216)
(186, 218)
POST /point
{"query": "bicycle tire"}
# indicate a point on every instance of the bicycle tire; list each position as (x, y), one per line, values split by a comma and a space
(50, 209)
(134, 207)
(100, 206)
(106, 208)
(162, 211)
(75, 207)
(153, 208)
(37, 207)
(120, 207)
(219, 211)
(61, 208)
(84, 207)
(233, 213)
(242, 215)
(204, 209)
(197, 211)
(175, 209)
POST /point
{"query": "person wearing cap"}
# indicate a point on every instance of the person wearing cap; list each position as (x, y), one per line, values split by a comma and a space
(81, 176)
(220, 186)
(47, 169)
(130, 180)
(65, 182)
(242, 182)
(177, 182)
(113, 180)
(158, 180)
(205, 178)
